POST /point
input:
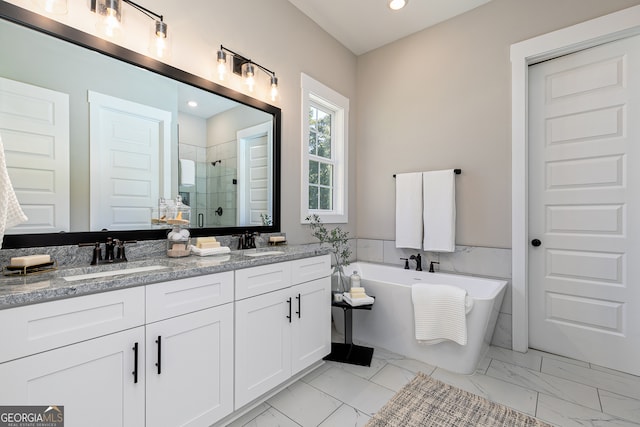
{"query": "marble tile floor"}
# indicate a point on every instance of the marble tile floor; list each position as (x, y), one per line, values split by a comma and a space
(560, 391)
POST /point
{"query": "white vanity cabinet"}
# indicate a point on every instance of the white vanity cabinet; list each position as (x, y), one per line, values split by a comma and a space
(171, 353)
(155, 355)
(86, 353)
(189, 351)
(283, 323)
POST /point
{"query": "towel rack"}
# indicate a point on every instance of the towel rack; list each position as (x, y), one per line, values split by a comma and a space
(456, 171)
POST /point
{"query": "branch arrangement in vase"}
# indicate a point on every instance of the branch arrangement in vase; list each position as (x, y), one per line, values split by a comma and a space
(338, 239)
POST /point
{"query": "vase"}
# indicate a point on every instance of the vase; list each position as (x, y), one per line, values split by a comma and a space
(338, 284)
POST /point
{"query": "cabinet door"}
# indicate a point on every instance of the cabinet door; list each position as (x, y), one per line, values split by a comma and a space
(263, 344)
(311, 327)
(93, 380)
(190, 368)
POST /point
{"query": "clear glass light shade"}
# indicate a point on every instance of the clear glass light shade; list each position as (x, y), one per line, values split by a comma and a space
(159, 41)
(397, 4)
(222, 64)
(58, 7)
(248, 72)
(274, 88)
(110, 13)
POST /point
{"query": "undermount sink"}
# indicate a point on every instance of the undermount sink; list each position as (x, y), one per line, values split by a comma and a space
(119, 272)
(254, 253)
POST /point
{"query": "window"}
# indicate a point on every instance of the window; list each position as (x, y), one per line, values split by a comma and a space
(324, 152)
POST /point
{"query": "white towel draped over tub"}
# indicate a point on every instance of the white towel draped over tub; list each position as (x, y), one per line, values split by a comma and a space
(409, 210)
(439, 194)
(10, 211)
(440, 313)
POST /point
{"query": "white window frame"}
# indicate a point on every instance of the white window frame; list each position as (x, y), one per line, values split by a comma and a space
(314, 92)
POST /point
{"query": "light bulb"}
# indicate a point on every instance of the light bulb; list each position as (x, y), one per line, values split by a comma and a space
(222, 64)
(249, 76)
(159, 42)
(274, 88)
(160, 46)
(111, 24)
(109, 11)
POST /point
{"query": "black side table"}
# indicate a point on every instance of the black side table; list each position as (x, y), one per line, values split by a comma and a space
(350, 352)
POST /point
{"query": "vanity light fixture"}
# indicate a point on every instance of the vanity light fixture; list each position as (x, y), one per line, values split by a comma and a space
(110, 12)
(59, 7)
(248, 72)
(397, 4)
(246, 68)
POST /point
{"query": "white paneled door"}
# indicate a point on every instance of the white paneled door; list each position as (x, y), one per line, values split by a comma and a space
(130, 162)
(34, 125)
(584, 205)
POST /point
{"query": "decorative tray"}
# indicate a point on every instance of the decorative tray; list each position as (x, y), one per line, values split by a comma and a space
(11, 270)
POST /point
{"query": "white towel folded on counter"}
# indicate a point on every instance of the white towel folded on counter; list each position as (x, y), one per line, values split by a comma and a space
(355, 302)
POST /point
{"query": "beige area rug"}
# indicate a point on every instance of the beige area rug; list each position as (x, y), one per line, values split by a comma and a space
(428, 402)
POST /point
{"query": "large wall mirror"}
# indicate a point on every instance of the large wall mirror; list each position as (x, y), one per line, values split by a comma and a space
(96, 135)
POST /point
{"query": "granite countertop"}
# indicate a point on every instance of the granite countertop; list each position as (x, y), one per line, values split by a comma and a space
(23, 290)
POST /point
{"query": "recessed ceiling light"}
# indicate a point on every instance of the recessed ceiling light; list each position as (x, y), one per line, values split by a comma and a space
(397, 4)
(192, 104)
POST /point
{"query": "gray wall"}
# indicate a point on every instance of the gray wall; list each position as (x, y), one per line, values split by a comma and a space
(442, 99)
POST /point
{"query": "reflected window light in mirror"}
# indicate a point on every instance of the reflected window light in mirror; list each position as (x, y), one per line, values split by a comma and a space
(59, 7)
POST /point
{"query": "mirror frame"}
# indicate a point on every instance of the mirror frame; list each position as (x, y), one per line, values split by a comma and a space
(34, 21)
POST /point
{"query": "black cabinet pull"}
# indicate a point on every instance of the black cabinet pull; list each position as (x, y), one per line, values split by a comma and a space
(536, 242)
(159, 364)
(299, 309)
(289, 316)
(135, 363)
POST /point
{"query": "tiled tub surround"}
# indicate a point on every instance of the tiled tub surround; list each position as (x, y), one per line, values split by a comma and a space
(471, 260)
(37, 288)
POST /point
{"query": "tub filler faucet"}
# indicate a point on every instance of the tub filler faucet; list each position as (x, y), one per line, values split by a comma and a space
(418, 259)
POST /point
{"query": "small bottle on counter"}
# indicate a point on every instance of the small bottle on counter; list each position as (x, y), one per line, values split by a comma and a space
(355, 280)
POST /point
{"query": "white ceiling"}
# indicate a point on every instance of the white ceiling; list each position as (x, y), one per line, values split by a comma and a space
(364, 25)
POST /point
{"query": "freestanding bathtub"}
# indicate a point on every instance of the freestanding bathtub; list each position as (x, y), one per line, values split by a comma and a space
(390, 323)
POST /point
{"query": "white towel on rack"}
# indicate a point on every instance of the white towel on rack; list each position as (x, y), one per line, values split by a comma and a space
(11, 213)
(187, 173)
(439, 197)
(409, 210)
(440, 313)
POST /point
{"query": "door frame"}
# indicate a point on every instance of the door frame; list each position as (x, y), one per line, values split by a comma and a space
(243, 136)
(615, 26)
